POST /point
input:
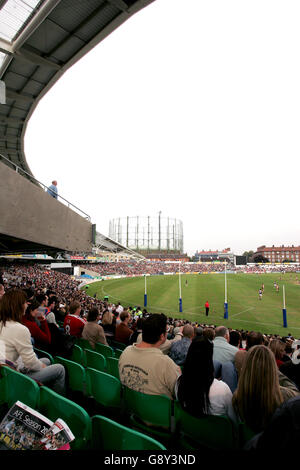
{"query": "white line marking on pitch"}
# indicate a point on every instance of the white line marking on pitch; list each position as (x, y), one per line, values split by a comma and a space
(243, 311)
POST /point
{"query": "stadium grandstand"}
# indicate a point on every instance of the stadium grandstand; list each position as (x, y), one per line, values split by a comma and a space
(121, 378)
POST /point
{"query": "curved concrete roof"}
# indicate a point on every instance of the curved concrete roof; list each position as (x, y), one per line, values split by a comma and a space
(39, 41)
(56, 34)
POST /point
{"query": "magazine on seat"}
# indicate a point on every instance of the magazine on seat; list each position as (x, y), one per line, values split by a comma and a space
(24, 428)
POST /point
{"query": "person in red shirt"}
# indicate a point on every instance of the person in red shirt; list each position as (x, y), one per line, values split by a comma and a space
(123, 332)
(206, 308)
(41, 334)
(73, 323)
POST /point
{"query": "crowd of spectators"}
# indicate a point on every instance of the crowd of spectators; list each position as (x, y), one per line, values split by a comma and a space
(137, 268)
(208, 368)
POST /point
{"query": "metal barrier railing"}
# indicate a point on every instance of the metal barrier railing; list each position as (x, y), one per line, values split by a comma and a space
(33, 179)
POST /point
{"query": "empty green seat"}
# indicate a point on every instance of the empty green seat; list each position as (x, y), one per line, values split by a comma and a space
(212, 432)
(117, 353)
(149, 413)
(104, 388)
(95, 360)
(106, 351)
(117, 345)
(56, 406)
(75, 374)
(112, 365)
(109, 435)
(85, 344)
(16, 386)
(77, 355)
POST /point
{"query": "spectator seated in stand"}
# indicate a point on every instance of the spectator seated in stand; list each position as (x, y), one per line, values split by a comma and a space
(74, 324)
(92, 331)
(197, 390)
(49, 314)
(123, 332)
(138, 330)
(40, 333)
(143, 366)
(223, 351)
(259, 393)
(254, 338)
(282, 432)
(179, 349)
(278, 348)
(16, 349)
(108, 323)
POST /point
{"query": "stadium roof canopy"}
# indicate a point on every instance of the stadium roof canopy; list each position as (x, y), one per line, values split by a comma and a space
(39, 41)
(107, 244)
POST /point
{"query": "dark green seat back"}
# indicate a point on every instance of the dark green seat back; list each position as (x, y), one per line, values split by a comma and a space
(117, 353)
(16, 386)
(106, 351)
(95, 360)
(213, 432)
(76, 377)
(105, 388)
(56, 406)
(85, 344)
(109, 435)
(154, 409)
(113, 366)
(77, 355)
(117, 345)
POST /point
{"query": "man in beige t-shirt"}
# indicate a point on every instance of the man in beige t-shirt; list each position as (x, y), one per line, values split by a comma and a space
(143, 366)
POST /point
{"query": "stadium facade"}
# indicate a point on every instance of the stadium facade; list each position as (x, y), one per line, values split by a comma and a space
(148, 234)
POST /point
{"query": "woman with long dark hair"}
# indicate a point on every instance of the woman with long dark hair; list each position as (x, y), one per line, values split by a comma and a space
(198, 392)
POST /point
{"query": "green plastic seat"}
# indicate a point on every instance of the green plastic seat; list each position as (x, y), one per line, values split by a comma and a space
(76, 377)
(109, 435)
(209, 432)
(85, 344)
(104, 388)
(106, 351)
(117, 345)
(16, 386)
(95, 360)
(56, 406)
(41, 353)
(149, 413)
(77, 355)
(112, 365)
(117, 353)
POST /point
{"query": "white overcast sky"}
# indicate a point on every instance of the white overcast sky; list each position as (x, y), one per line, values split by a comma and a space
(191, 108)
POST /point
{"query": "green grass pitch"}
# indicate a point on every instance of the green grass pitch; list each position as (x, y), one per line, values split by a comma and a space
(245, 310)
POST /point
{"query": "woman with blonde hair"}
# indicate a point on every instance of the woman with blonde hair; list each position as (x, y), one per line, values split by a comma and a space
(258, 393)
(108, 323)
(278, 348)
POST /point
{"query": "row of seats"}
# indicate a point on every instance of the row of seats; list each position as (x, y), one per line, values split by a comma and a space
(91, 374)
(96, 432)
(95, 377)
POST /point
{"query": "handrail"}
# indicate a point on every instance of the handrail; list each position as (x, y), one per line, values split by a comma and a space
(18, 169)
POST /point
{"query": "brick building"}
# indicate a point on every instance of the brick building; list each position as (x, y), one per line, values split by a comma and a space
(277, 254)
